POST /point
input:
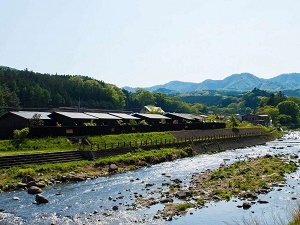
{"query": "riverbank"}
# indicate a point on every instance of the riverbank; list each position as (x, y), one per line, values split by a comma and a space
(49, 174)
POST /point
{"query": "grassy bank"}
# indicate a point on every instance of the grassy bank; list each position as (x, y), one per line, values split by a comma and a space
(9, 178)
(58, 144)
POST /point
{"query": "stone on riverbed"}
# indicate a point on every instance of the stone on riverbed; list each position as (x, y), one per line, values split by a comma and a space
(40, 199)
(112, 168)
(31, 183)
(26, 179)
(183, 194)
(262, 201)
(21, 185)
(246, 205)
(34, 190)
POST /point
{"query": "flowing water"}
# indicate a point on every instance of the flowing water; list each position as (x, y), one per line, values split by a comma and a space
(92, 201)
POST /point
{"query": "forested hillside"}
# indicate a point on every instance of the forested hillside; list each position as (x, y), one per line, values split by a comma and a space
(28, 89)
(23, 88)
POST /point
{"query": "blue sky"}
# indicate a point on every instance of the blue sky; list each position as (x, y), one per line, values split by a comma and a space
(142, 43)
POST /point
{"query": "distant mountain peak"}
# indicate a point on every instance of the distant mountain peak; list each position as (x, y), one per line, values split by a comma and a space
(237, 82)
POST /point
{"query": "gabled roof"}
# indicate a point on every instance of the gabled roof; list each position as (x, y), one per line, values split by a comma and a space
(124, 116)
(104, 116)
(76, 115)
(152, 108)
(151, 116)
(30, 114)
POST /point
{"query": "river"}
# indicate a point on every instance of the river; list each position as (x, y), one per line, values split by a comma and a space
(92, 201)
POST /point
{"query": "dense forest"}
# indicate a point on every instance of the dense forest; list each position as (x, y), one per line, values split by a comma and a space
(23, 89)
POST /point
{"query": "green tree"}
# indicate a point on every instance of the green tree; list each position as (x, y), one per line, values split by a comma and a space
(19, 137)
(233, 121)
(36, 121)
(144, 97)
(291, 109)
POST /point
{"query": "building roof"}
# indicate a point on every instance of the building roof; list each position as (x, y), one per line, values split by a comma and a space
(151, 116)
(30, 114)
(124, 116)
(76, 115)
(104, 116)
(152, 108)
(186, 116)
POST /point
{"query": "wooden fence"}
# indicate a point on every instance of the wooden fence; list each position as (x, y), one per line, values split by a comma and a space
(163, 142)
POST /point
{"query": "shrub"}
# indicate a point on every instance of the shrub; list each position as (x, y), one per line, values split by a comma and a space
(90, 124)
(21, 134)
(25, 171)
(184, 206)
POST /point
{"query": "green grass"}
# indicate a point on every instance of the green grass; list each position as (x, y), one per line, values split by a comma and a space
(184, 206)
(43, 145)
(133, 138)
(40, 145)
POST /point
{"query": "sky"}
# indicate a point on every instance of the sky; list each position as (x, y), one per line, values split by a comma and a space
(141, 43)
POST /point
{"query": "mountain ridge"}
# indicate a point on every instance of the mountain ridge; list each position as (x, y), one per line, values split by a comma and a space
(236, 82)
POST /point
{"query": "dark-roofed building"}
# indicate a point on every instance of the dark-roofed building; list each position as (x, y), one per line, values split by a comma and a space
(20, 119)
(184, 117)
(256, 119)
(151, 118)
(103, 118)
(72, 118)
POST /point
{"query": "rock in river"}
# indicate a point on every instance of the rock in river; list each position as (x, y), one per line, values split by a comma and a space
(34, 190)
(40, 199)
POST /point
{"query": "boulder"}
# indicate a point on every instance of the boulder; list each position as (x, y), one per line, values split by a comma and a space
(77, 178)
(166, 200)
(246, 205)
(21, 185)
(115, 207)
(251, 195)
(183, 194)
(40, 185)
(262, 201)
(40, 199)
(112, 168)
(26, 179)
(31, 183)
(34, 190)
